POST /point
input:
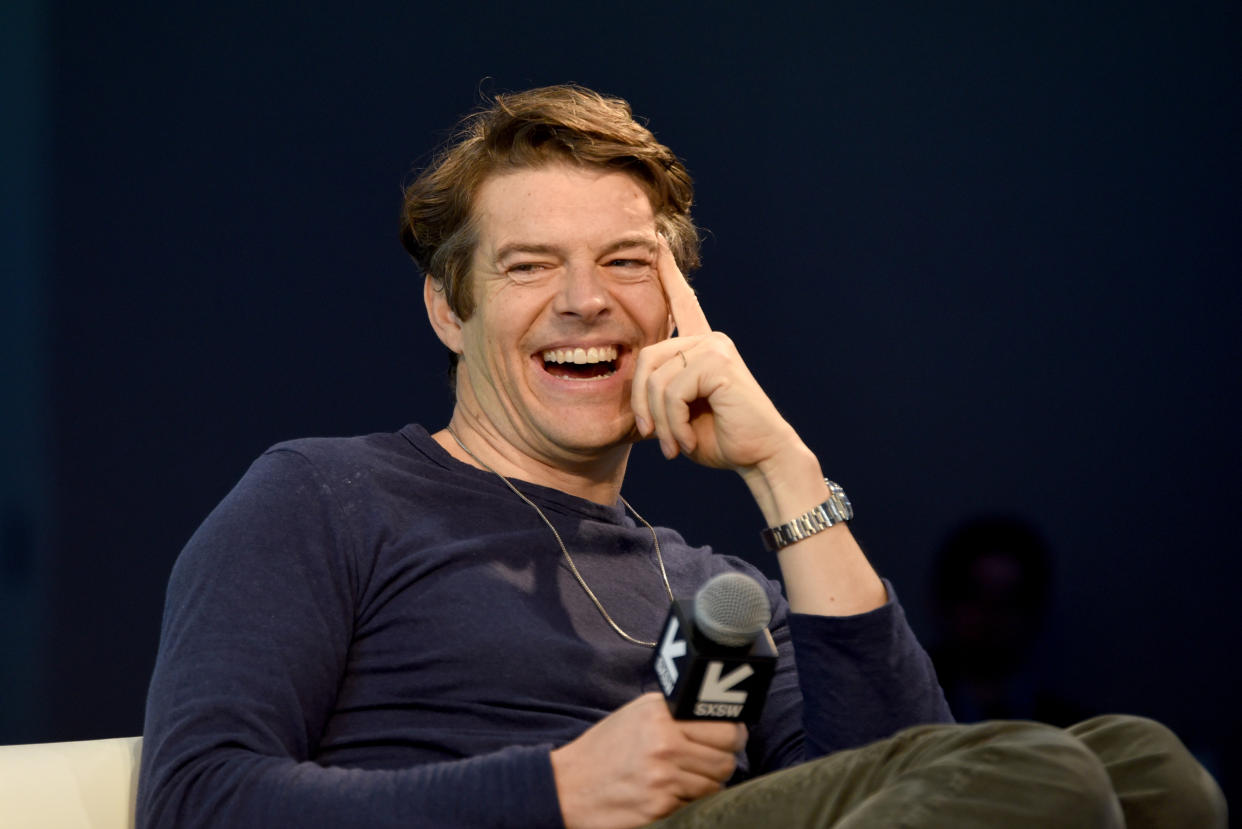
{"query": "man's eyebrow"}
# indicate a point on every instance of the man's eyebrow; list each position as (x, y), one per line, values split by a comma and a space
(523, 247)
(631, 242)
(512, 248)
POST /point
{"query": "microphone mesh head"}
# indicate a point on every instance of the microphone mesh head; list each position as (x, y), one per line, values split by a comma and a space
(731, 609)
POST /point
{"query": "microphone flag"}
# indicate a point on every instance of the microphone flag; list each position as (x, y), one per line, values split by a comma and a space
(703, 679)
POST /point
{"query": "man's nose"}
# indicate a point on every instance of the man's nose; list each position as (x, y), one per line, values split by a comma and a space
(583, 292)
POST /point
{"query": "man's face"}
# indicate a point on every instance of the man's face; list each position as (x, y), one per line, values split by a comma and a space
(566, 293)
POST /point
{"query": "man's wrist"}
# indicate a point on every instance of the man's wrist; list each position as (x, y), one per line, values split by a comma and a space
(836, 510)
(788, 485)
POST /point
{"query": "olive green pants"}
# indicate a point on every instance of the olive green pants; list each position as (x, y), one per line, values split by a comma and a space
(1113, 771)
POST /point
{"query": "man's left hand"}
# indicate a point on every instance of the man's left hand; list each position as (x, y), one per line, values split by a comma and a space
(694, 393)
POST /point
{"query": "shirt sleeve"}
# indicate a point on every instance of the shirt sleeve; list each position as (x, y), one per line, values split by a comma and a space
(257, 625)
(862, 678)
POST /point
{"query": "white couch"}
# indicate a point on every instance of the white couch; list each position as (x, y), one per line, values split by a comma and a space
(89, 784)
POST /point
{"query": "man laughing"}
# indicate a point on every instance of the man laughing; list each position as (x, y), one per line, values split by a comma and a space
(454, 626)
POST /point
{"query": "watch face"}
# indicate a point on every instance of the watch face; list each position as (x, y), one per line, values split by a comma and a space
(843, 505)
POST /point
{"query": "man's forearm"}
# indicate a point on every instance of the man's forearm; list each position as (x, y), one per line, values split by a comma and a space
(825, 574)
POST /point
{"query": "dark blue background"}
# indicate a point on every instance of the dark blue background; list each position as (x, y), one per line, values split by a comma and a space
(984, 255)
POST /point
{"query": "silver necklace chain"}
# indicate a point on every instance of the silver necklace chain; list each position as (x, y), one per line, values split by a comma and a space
(573, 568)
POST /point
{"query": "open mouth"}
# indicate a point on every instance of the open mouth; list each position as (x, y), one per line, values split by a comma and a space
(581, 363)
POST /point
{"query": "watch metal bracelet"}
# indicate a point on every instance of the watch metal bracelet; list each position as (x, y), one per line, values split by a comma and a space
(828, 514)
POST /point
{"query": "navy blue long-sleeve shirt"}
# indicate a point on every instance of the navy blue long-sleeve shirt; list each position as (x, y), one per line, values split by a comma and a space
(367, 632)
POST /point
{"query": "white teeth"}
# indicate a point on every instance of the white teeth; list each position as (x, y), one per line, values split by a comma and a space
(581, 356)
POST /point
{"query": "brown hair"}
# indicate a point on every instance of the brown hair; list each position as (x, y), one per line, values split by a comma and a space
(529, 129)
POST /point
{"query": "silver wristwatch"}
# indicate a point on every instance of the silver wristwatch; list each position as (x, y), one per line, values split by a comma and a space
(833, 511)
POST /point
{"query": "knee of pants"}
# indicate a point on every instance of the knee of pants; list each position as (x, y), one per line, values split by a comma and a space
(1067, 765)
(1147, 758)
(1031, 774)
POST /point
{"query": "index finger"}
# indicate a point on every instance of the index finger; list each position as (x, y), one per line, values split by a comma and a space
(687, 313)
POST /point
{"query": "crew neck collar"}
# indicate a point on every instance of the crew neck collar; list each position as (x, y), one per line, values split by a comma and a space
(420, 438)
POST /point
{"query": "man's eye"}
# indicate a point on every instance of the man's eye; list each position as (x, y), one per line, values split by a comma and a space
(629, 270)
(526, 271)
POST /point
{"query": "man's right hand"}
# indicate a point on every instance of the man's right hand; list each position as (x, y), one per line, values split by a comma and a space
(638, 764)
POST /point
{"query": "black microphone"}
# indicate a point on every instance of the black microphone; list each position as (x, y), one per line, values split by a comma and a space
(715, 658)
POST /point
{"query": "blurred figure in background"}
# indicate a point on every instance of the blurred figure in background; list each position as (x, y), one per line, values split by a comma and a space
(992, 587)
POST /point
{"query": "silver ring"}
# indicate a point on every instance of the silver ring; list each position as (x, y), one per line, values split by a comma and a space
(682, 355)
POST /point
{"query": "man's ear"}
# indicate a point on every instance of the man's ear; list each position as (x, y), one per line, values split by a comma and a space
(446, 323)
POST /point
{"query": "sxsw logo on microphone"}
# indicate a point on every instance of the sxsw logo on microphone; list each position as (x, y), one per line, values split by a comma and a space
(704, 680)
(671, 649)
(717, 697)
